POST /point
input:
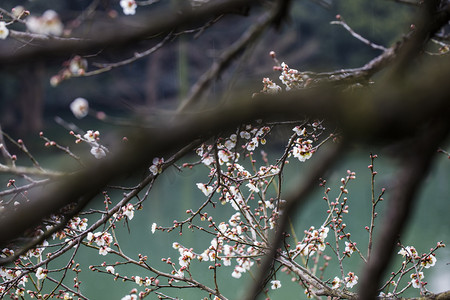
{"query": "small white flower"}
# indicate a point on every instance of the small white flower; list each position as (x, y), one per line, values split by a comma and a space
(207, 190)
(91, 136)
(104, 250)
(299, 130)
(270, 87)
(236, 274)
(110, 269)
(252, 144)
(128, 211)
(408, 251)
(276, 284)
(428, 261)
(128, 6)
(4, 32)
(416, 281)
(349, 248)
(223, 227)
(252, 187)
(351, 280)
(336, 283)
(41, 273)
(98, 152)
(153, 227)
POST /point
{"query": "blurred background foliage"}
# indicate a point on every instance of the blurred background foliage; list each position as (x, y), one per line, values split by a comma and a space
(306, 42)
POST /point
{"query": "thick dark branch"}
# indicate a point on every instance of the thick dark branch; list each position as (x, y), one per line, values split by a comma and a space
(117, 34)
(415, 168)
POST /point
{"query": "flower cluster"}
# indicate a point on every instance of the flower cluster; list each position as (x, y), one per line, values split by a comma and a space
(351, 280)
(302, 149)
(156, 167)
(314, 241)
(102, 239)
(92, 138)
(49, 24)
(270, 87)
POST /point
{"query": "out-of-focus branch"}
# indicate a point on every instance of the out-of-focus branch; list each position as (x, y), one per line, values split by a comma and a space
(415, 167)
(117, 34)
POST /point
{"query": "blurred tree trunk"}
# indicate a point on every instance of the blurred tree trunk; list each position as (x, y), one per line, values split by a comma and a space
(30, 98)
(152, 79)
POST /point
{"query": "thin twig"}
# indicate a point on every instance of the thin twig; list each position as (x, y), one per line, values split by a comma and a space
(358, 36)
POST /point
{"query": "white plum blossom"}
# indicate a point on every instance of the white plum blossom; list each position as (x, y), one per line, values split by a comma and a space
(153, 227)
(291, 78)
(276, 284)
(236, 274)
(206, 189)
(245, 135)
(41, 273)
(302, 149)
(235, 219)
(351, 280)
(408, 251)
(299, 130)
(349, 248)
(139, 280)
(128, 6)
(78, 65)
(98, 152)
(103, 241)
(223, 156)
(104, 250)
(416, 280)
(130, 297)
(252, 187)
(428, 261)
(336, 283)
(128, 211)
(223, 227)
(270, 87)
(4, 31)
(110, 269)
(156, 167)
(37, 252)
(77, 223)
(231, 142)
(91, 135)
(252, 144)
(185, 258)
